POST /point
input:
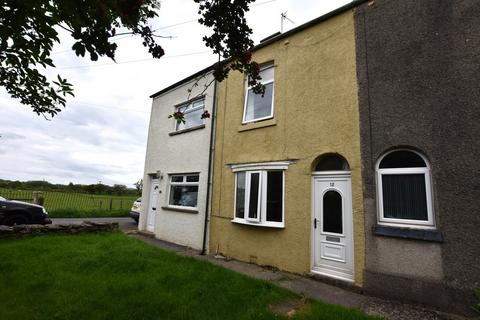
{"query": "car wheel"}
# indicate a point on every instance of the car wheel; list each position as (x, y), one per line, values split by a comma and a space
(16, 220)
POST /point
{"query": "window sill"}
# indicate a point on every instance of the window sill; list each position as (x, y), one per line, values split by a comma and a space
(178, 209)
(174, 133)
(406, 233)
(257, 125)
(277, 225)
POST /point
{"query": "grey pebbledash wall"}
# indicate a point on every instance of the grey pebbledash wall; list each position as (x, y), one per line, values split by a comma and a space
(418, 66)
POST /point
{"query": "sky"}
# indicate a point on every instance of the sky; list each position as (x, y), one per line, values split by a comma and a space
(101, 135)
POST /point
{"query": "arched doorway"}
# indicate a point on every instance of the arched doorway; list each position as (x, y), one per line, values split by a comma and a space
(332, 228)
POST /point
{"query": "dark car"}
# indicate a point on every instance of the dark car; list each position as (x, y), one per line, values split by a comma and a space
(16, 212)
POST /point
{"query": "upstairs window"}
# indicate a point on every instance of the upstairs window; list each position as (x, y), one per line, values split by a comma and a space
(404, 190)
(192, 112)
(258, 107)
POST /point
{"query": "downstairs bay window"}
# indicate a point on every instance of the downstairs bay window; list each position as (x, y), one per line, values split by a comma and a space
(259, 195)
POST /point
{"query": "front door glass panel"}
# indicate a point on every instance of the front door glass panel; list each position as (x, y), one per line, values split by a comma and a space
(332, 212)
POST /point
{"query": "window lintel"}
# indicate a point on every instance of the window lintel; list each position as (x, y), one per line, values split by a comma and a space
(277, 165)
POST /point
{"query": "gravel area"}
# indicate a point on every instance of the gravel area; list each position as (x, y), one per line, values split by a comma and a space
(393, 310)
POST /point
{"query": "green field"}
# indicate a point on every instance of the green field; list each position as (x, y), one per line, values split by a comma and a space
(111, 276)
(64, 204)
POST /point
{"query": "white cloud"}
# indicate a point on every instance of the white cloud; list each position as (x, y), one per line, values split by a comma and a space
(101, 134)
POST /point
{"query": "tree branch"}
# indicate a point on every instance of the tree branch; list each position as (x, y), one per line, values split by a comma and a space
(65, 28)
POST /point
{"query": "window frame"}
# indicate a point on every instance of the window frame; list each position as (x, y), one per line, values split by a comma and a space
(183, 183)
(407, 223)
(261, 185)
(187, 104)
(263, 169)
(263, 68)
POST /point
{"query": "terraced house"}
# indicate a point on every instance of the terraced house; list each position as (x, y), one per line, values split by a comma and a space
(418, 72)
(175, 183)
(287, 186)
(358, 164)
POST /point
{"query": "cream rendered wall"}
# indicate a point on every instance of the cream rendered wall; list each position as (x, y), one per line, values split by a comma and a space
(315, 112)
(182, 153)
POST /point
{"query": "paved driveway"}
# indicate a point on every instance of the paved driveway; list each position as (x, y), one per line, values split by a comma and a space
(125, 224)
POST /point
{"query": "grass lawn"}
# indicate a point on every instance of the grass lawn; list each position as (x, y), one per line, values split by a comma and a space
(113, 276)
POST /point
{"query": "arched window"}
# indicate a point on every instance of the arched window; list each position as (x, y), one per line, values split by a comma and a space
(404, 190)
(332, 162)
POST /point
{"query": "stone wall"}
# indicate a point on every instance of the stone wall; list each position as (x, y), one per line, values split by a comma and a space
(34, 229)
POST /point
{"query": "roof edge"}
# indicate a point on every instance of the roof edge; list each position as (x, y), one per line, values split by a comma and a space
(185, 80)
(269, 41)
(310, 23)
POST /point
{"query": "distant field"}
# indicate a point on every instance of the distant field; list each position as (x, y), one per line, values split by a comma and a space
(66, 204)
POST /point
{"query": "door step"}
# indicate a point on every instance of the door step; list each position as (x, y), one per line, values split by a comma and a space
(146, 233)
(346, 284)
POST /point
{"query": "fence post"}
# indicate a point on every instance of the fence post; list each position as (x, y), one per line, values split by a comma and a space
(111, 204)
(121, 206)
(38, 197)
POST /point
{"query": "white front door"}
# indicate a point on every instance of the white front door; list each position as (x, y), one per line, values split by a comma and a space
(332, 226)
(152, 205)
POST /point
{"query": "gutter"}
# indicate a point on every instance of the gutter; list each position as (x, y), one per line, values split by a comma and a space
(210, 169)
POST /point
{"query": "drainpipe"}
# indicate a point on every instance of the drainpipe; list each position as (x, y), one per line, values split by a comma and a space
(210, 168)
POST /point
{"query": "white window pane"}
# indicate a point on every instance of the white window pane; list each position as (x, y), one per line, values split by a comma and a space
(197, 104)
(177, 178)
(267, 74)
(402, 159)
(192, 119)
(182, 108)
(240, 196)
(274, 196)
(257, 106)
(404, 196)
(185, 196)
(254, 193)
(193, 178)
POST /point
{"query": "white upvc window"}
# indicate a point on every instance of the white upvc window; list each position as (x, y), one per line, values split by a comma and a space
(183, 190)
(257, 106)
(404, 191)
(192, 114)
(260, 194)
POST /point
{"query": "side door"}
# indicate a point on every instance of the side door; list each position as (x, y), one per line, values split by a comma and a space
(152, 205)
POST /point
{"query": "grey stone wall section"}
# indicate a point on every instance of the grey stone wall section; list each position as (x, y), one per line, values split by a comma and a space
(37, 229)
(418, 66)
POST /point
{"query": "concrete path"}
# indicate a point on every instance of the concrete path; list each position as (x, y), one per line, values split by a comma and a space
(124, 224)
(311, 288)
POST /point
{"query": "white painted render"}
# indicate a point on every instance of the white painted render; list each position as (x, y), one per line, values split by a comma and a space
(182, 153)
